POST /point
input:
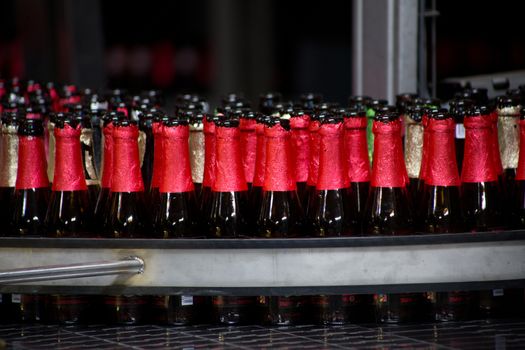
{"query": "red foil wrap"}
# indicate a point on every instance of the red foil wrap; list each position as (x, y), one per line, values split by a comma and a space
(158, 151)
(248, 147)
(279, 175)
(332, 170)
(69, 174)
(229, 173)
(32, 167)
(126, 165)
(388, 167)
(442, 169)
(496, 155)
(209, 153)
(33, 116)
(313, 166)
(478, 160)
(424, 157)
(300, 146)
(520, 171)
(123, 110)
(107, 170)
(356, 150)
(260, 159)
(176, 172)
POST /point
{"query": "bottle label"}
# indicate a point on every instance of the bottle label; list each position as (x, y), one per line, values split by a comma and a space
(16, 298)
(196, 140)
(8, 156)
(186, 300)
(229, 171)
(32, 168)
(225, 301)
(176, 173)
(124, 300)
(68, 300)
(332, 172)
(158, 152)
(127, 176)
(279, 172)
(388, 167)
(69, 175)
(300, 146)
(88, 157)
(498, 292)
(478, 161)
(209, 154)
(460, 131)
(509, 141)
(356, 150)
(413, 149)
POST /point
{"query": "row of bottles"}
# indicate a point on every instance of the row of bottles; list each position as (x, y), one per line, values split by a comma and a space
(290, 171)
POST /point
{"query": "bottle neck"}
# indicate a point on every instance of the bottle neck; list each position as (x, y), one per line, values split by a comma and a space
(423, 166)
(260, 157)
(496, 156)
(509, 137)
(413, 147)
(478, 161)
(209, 154)
(356, 150)
(388, 168)
(69, 174)
(127, 176)
(88, 156)
(248, 147)
(442, 166)
(313, 166)
(158, 151)
(107, 166)
(332, 172)
(176, 173)
(279, 171)
(8, 156)
(229, 173)
(32, 167)
(300, 147)
(196, 141)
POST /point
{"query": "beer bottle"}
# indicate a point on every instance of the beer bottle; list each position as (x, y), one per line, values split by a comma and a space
(177, 215)
(127, 217)
(300, 151)
(69, 213)
(228, 216)
(30, 203)
(508, 111)
(197, 148)
(388, 210)
(8, 164)
(209, 163)
(280, 215)
(313, 165)
(310, 99)
(146, 147)
(268, 102)
(480, 188)
(357, 165)
(256, 192)
(158, 161)
(373, 107)
(414, 147)
(102, 204)
(519, 200)
(248, 144)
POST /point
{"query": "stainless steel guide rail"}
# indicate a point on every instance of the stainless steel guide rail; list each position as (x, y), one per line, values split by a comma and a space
(250, 266)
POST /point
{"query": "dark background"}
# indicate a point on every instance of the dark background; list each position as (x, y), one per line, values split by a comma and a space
(216, 46)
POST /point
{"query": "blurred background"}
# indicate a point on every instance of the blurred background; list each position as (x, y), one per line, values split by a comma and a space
(212, 47)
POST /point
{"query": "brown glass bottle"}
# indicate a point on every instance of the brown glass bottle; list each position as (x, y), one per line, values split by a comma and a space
(458, 109)
(146, 147)
(209, 163)
(228, 215)
(256, 192)
(280, 215)
(8, 165)
(301, 152)
(158, 162)
(30, 203)
(357, 165)
(69, 213)
(127, 217)
(519, 200)
(414, 147)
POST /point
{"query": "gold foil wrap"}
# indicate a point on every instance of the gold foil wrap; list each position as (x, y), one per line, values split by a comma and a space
(142, 146)
(509, 136)
(8, 156)
(196, 144)
(90, 172)
(413, 147)
(51, 149)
